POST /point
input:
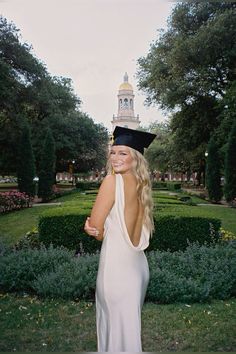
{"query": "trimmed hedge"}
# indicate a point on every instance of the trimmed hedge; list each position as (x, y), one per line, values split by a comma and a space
(198, 274)
(176, 232)
(86, 185)
(65, 227)
(173, 186)
(158, 185)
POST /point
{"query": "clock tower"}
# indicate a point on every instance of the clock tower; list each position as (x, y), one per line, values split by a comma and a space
(125, 117)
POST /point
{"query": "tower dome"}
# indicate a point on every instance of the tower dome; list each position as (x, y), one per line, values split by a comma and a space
(126, 85)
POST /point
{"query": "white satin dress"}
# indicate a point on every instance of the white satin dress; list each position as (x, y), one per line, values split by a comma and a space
(122, 282)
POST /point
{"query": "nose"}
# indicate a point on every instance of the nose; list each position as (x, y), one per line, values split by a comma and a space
(114, 157)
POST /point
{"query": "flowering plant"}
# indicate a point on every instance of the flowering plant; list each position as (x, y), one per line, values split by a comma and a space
(14, 200)
(227, 235)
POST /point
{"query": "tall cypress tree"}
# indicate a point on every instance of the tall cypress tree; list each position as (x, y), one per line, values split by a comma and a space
(26, 163)
(230, 166)
(213, 177)
(47, 167)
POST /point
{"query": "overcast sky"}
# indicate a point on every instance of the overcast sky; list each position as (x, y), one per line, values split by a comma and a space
(93, 42)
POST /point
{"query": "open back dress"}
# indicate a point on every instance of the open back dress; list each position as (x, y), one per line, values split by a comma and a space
(122, 281)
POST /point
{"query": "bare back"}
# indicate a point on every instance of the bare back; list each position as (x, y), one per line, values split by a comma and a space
(133, 209)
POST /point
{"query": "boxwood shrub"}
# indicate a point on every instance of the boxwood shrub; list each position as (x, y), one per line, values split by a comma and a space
(158, 185)
(87, 185)
(173, 186)
(65, 227)
(176, 232)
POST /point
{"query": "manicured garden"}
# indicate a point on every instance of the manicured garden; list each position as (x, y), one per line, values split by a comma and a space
(190, 303)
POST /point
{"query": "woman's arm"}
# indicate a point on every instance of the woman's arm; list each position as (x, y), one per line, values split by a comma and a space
(102, 206)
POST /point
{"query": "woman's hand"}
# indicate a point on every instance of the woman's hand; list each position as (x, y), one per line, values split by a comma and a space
(91, 231)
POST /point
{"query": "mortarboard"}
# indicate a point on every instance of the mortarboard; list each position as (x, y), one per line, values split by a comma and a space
(135, 139)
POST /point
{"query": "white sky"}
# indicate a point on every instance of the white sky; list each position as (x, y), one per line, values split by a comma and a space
(93, 42)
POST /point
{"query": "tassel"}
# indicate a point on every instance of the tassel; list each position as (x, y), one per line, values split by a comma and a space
(112, 139)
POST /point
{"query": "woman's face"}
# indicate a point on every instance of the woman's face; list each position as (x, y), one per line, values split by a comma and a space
(121, 159)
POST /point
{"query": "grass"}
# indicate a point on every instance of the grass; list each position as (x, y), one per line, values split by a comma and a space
(30, 324)
(14, 225)
(8, 185)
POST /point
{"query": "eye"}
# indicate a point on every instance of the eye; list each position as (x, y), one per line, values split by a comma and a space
(112, 152)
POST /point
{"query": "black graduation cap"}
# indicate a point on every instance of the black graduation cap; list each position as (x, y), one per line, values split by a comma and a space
(135, 139)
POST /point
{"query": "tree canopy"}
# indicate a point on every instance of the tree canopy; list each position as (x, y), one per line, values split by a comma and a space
(190, 72)
(47, 102)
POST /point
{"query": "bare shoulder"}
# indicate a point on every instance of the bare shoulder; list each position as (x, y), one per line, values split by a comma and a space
(109, 182)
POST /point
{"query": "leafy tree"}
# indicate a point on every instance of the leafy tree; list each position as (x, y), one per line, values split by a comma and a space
(195, 57)
(213, 176)
(158, 153)
(230, 166)
(28, 90)
(26, 166)
(189, 70)
(18, 70)
(227, 117)
(47, 168)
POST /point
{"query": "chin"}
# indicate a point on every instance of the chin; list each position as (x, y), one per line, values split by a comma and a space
(118, 170)
(121, 170)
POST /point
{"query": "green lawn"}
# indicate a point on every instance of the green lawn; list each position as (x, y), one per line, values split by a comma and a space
(8, 185)
(14, 225)
(30, 324)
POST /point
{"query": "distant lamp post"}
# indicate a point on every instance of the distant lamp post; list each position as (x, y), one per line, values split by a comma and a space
(73, 171)
(206, 154)
(36, 179)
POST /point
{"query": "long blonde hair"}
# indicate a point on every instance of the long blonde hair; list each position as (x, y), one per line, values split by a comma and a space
(144, 188)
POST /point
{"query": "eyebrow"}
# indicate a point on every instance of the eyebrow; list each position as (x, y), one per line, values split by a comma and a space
(121, 150)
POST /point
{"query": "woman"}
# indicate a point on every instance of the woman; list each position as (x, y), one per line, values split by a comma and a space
(122, 218)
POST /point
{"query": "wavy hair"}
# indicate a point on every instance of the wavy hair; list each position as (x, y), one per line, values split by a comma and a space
(144, 188)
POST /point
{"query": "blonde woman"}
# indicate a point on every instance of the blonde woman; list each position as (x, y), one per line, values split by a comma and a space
(122, 218)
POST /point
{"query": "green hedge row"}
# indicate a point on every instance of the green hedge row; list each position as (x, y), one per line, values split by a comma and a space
(173, 186)
(198, 274)
(176, 232)
(158, 185)
(64, 227)
(86, 185)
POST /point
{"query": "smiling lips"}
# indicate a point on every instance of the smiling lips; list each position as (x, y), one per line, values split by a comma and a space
(114, 165)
